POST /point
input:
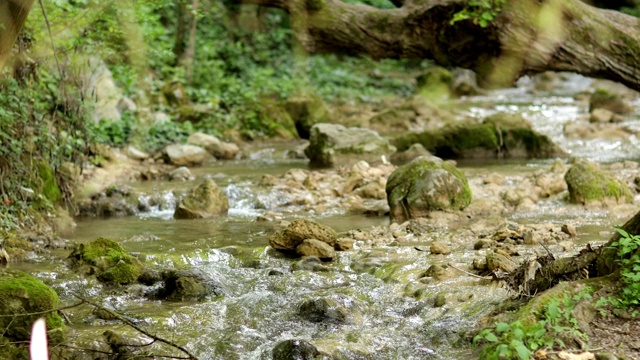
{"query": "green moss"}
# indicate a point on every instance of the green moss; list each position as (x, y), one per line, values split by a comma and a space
(108, 260)
(21, 293)
(586, 183)
(48, 184)
(277, 120)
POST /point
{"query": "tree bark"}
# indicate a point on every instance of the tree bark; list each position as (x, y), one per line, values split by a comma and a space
(528, 36)
(13, 14)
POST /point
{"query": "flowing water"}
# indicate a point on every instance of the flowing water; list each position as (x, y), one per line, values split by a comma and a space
(390, 310)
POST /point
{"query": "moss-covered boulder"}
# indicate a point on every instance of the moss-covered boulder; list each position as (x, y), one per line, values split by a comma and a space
(276, 120)
(298, 231)
(499, 135)
(306, 111)
(204, 201)
(21, 293)
(331, 144)
(587, 184)
(605, 99)
(424, 185)
(107, 260)
(436, 83)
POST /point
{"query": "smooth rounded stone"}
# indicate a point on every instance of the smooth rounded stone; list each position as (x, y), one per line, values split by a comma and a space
(501, 262)
(569, 229)
(313, 247)
(323, 310)
(440, 248)
(566, 245)
(204, 201)
(184, 154)
(136, 154)
(180, 174)
(531, 238)
(294, 350)
(601, 116)
(299, 230)
(588, 184)
(425, 185)
(493, 178)
(440, 300)
(343, 244)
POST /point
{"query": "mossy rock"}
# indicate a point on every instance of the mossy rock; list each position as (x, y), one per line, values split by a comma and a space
(204, 201)
(587, 183)
(306, 111)
(426, 184)
(604, 99)
(500, 135)
(436, 83)
(21, 293)
(276, 120)
(48, 185)
(175, 94)
(108, 261)
(188, 284)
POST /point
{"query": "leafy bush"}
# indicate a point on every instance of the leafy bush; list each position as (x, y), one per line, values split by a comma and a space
(629, 259)
(519, 340)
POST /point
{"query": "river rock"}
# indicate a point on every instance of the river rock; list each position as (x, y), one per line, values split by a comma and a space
(605, 99)
(587, 184)
(306, 112)
(440, 248)
(107, 260)
(500, 262)
(136, 154)
(188, 284)
(499, 135)
(294, 350)
(424, 185)
(601, 116)
(435, 84)
(216, 147)
(313, 247)
(298, 231)
(184, 154)
(23, 294)
(204, 201)
(180, 174)
(414, 151)
(323, 310)
(331, 144)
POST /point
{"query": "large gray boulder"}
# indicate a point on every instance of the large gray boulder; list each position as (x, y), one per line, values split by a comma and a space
(587, 184)
(216, 147)
(204, 201)
(184, 154)
(331, 144)
(424, 185)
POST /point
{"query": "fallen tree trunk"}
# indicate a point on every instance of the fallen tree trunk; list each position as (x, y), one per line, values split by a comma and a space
(526, 36)
(540, 274)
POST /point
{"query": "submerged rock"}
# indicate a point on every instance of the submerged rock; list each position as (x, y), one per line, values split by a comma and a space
(188, 284)
(331, 144)
(424, 185)
(204, 201)
(294, 350)
(323, 310)
(298, 231)
(107, 260)
(587, 184)
(21, 293)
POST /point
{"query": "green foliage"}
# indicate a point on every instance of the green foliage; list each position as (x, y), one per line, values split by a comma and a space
(629, 259)
(164, 133)
(380, 4)
(113, 132)
(518, 340)
(481, 12)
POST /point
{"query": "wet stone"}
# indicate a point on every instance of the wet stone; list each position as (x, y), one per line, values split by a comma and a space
(323, 310)
(294, 350)
(440, 248)
(440, 300)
